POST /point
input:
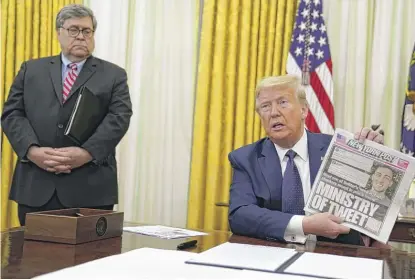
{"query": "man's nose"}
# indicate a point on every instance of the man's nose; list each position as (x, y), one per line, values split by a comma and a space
(275, 112)
(80, 36)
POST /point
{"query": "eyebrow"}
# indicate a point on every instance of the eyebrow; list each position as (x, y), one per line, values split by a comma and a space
(78, 26)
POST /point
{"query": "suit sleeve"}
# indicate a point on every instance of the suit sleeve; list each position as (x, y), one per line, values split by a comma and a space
(246, 217)
(115, 124)
(14, 122)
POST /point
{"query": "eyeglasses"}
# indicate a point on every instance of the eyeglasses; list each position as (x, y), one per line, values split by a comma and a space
(74, 32)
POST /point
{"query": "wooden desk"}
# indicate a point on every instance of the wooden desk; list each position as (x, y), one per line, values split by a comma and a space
(27, 259)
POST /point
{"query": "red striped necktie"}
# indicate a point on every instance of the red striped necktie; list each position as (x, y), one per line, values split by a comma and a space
(69, 80)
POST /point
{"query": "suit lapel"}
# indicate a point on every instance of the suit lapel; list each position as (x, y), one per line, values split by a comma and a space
(87, 71)
(316, 151)
(55, 71)
(271, 169)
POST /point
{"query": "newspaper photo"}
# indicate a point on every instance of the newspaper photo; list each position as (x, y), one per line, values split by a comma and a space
(364, 183)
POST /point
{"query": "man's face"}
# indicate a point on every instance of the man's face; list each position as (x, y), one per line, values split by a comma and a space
(382, 179)
(282, 115)
(80, 46)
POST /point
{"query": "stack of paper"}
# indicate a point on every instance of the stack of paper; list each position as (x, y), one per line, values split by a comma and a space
(243, 256)
(164, 232)
(226, 261)
(148, 263)
(312, 264)
(288, 261)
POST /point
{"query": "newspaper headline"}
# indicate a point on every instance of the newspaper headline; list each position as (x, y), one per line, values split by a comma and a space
(364, 183)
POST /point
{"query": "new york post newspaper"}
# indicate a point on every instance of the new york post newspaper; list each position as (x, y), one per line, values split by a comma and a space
(363, 183)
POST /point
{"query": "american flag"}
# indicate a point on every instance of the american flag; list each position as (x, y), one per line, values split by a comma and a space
(310, 58)
(341, 138)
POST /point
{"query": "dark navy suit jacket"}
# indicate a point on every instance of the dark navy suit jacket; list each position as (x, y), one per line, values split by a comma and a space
(255, 194)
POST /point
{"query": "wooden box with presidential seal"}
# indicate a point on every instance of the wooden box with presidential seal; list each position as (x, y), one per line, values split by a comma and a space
(74, 225)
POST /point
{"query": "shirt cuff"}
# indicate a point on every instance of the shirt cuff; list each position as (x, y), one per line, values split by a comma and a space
(294, 232)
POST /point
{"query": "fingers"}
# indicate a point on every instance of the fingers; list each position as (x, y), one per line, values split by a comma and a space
(63, 168)
(58, 153)
(64, 149)
(369, 134)
(362, 135)
(54, 161)
(337, 229)
(336, 219)
(50, 169)
(343, 229)
(59, 169)
(378, 139)
(336, 226)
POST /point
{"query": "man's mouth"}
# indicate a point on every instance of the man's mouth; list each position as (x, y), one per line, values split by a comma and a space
(277, 126)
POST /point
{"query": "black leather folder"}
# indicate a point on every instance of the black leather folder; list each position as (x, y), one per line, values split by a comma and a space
(86, 116)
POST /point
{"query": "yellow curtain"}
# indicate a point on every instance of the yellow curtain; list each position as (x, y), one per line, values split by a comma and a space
(241, 42)
(27, 31)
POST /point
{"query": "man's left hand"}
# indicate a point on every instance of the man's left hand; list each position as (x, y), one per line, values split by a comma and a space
(76, 156)
(369, 134)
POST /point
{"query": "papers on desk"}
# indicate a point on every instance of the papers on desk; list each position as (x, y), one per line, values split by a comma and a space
(227, 261)
(243, 256)
(340, 266)
(148, 263)
(164, 232)
(288, 261)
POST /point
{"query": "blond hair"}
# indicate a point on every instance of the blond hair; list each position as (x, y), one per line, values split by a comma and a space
(285, 81)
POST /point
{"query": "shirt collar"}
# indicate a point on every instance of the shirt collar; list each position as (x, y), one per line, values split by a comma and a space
(66, 61)
(300, 148)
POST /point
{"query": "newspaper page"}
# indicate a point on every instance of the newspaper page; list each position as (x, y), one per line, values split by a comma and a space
(164, 231)
(364, 183)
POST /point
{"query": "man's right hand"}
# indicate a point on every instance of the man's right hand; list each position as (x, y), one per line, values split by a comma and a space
(47, 162)
(324, 224)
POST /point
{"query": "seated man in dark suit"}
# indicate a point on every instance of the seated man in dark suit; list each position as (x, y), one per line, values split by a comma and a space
(52, 172)
(272, 177)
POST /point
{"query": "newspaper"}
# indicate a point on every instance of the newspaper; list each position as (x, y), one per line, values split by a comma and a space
(164, 231)
(364, 183)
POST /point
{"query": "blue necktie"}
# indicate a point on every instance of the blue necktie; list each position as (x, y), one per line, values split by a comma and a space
(292, 189)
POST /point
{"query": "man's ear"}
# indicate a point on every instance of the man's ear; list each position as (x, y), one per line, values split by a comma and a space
(304, 111)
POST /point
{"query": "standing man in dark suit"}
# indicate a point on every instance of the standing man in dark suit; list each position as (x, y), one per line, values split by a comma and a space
(53, 172)
(272, 177)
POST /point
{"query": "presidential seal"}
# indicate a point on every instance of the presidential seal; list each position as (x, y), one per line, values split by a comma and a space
(101, 226)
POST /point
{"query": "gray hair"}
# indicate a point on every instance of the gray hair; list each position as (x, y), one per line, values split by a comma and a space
(74, 11)
(284, 81)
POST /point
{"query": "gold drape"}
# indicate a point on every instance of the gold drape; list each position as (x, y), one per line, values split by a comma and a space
(241, 42)
(27, 31)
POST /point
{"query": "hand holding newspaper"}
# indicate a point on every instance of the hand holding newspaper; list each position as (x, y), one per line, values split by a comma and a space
(363, 183)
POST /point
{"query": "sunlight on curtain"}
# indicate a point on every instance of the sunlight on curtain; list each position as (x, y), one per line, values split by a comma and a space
(370, 62)
(28, 31)
(111, 44)
(241, 42)
(165, 112)
(158, 52)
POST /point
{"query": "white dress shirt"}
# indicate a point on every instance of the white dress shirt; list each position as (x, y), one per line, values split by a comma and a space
(294, 231)
(66, 69)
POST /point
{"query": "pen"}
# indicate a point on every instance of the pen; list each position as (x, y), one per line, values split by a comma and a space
(186, 245)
